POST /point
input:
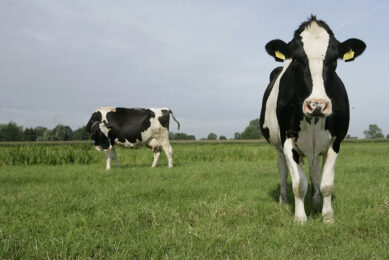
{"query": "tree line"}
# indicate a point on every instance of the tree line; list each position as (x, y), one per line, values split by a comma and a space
(14, 132)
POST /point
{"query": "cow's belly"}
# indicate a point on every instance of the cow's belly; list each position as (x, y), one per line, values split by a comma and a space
(126, 143)
(313, 139)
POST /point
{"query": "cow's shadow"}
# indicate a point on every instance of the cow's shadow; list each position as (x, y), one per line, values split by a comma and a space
(310, 208)
(142, 165)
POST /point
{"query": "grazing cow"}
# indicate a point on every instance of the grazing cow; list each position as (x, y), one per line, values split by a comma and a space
(305, 111)
(131, 127)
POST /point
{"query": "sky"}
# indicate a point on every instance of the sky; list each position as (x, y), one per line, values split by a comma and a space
(205, 60)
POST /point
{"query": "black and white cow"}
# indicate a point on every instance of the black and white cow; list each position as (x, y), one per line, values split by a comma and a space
(305, 111)
(131, 127)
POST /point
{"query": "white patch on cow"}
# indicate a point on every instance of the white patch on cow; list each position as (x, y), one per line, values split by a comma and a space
(271, 121)
(327, 184)
(315, 43)
(313, 139)
(126, 143)
(103, 129)
(299, 181)
(104, 111)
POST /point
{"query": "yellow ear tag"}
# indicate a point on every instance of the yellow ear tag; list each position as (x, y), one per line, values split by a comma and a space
(109, 129)
(280, 55)
(348, 55)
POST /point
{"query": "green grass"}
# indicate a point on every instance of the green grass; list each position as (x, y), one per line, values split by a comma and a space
(219, 201)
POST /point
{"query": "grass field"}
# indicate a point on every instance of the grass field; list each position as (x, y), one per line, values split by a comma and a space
(219, 201)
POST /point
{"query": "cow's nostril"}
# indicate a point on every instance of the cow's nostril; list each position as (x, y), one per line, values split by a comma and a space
(309, 105)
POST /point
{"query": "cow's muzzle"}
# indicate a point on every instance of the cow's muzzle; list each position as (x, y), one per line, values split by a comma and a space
(317, 107)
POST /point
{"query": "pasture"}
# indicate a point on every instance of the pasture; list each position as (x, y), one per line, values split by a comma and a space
(219, 201)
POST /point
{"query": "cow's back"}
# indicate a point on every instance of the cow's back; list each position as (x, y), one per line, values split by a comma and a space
(129, 123)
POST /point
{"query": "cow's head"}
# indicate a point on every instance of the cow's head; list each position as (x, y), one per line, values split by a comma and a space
(313, 55)
(100, 136)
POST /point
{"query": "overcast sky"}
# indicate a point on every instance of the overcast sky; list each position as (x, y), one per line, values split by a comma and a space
(205, 60)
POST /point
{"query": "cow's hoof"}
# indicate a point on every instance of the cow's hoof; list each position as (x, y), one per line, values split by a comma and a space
(300, 220)
(328, 218)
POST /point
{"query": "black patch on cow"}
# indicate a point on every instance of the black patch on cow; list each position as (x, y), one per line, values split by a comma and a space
(266, 134)
(98, 137)
(129, 123)
(275, 73)
(265, 131)
(96, 117)
(165, 118)
(296, 156)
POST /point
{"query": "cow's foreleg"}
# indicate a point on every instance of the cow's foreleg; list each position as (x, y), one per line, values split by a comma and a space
(108, 156)
(299, 182)
(157, 153)
(283, 171)
(327, 184)
(315, 176)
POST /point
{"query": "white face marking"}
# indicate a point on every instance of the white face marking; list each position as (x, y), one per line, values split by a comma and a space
(315, 42)
(271, 121)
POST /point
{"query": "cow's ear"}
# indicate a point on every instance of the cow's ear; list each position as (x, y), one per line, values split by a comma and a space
(278, 49)
(350, 49)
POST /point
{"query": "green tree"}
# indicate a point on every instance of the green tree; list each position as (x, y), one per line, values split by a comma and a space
(373, 132)
(222, 137)
(81, 134)
(11, 132)
(237, 135)
(39, 130)
(29, 134)
(181, 136)
(62, 133)
(212, 136)
(252, 131)
(47, 135)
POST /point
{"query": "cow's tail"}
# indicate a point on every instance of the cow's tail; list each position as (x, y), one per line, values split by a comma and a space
(178, 123)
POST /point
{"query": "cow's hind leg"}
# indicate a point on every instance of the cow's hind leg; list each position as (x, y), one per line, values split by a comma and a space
(169, 152)
(315, 176)
(299, 181)
(283, 171)
(327, 184)
(157, 153)
(108, 156)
